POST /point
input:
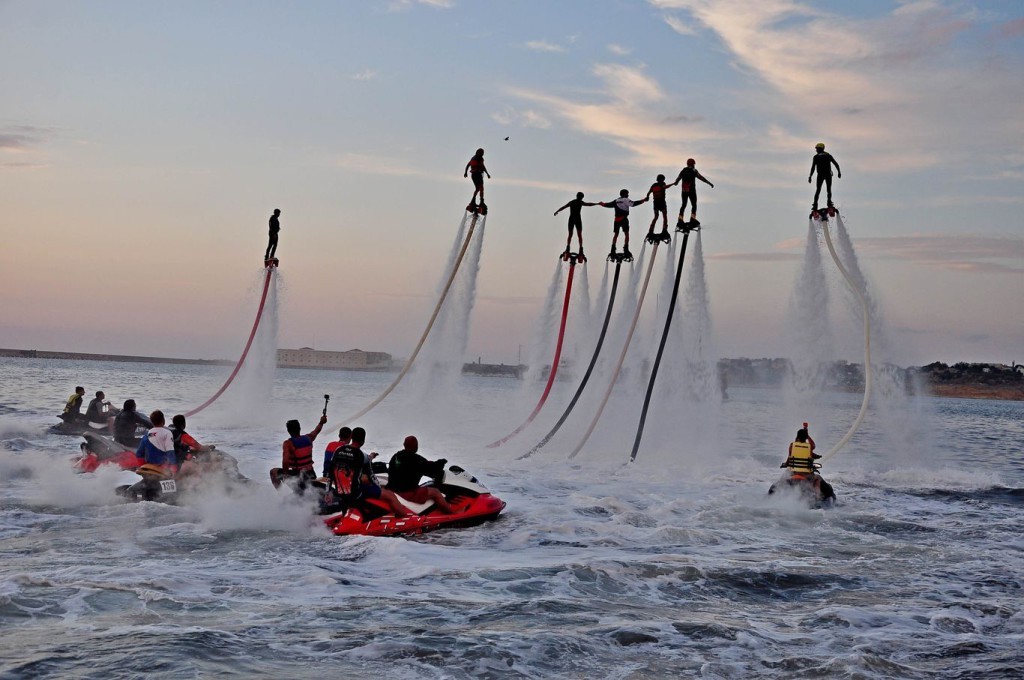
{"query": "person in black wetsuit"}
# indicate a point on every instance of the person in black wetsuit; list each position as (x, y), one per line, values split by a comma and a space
(822, 162)
(475, 169)
(405, 470)
(660, 205)
(688, 177)
(100, 411)
(125, 423)
(575, 207)
(275, 227)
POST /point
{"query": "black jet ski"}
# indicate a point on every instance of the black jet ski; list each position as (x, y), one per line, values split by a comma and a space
(807, 486)
(212, 469)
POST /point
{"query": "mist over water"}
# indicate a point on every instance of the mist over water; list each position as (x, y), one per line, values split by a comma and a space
(249, 397)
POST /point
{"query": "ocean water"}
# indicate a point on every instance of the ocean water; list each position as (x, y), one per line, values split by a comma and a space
(675, 566)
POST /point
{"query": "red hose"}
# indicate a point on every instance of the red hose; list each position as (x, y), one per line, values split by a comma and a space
(245, 352)
(554, 364)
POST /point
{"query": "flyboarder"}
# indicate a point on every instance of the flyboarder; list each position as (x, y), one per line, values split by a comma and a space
(688, 176)
(660, 206)
(622, 204)
(275, 227)
(477, 169)
(823, 162)
(575, 207)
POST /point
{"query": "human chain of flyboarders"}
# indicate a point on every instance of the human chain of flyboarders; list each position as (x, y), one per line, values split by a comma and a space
(476, 170)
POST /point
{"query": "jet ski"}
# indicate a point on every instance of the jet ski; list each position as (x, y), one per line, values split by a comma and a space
(808, 487)
(100, 450)
(471, 502)
(212, 469)
(76, 426)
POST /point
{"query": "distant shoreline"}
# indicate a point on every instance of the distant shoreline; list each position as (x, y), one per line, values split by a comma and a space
(995, 392)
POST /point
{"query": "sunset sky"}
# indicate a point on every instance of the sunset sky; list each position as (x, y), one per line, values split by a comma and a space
(144, 144)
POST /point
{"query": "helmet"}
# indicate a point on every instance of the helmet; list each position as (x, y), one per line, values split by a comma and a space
(819, 145)
(690, 161)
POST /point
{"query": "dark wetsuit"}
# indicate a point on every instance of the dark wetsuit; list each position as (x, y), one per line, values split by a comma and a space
(476, 171)
(405, 470)
(275, 227)
(688, 182)
(575, 215)
(95, 412)
(657, 193)
(822, 164)
(124, 427)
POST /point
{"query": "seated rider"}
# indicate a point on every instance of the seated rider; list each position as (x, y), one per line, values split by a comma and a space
(344, 437)
(352, 475)
(801, 454)
(99, 411)
(125, 423)
(157, 446)
(73, 407)
(297, 454)
(405, 470)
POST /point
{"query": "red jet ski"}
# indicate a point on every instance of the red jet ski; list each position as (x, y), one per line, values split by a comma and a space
(471, 501)
(99, 450)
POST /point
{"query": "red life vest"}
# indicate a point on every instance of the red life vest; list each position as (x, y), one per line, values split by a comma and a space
(302, 454)
(476, 165)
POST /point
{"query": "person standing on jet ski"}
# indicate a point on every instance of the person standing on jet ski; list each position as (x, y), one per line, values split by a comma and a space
(73, 406)
(297, 454)
(822, 162)
(157, 446)
(405, 470)
(125, 423)
(622, 204)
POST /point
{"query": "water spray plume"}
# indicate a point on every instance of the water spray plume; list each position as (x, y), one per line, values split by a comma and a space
(241, 360)
(430, 323)
(554, 362)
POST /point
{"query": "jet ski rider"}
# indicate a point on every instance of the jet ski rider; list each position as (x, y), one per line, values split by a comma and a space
(157, 446)
(297, 454)
(352, 474)
(73, 406)
(125, 423)
(801, 454)
(405, 470)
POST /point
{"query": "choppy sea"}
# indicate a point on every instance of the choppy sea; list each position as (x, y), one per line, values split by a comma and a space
(676, 566)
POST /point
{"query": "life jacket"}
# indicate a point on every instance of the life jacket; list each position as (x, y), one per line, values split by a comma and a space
(74, 404)
(658, 191)
(302, 455)
(347, 466)
(476, 165)
(329, 456)
(800, 460)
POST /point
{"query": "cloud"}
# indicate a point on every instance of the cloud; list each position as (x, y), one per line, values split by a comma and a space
(618, 50)
(895, 86)
(402, 5)
(23, 137)
(365, 74)
(524, 118)
(755, 257)
(630, 110)
(1009, 29)
(544, 46)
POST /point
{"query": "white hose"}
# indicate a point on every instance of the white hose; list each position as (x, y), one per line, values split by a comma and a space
(867, 346)
(622, 357)
(430, 324)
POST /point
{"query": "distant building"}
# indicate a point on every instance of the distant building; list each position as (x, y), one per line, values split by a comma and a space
(352, 360)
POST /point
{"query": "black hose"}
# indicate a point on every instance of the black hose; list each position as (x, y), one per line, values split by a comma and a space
(661, 348)
(590, 368)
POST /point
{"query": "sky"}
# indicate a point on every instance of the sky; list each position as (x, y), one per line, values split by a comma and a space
(144, 144)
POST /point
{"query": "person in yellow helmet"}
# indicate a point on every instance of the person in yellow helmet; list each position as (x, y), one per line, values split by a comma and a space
(822, 163)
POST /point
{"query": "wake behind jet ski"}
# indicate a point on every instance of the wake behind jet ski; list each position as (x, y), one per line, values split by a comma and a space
(212, 470)
(802, 478)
